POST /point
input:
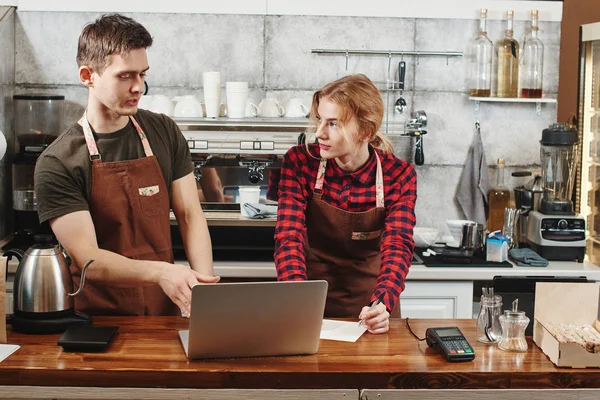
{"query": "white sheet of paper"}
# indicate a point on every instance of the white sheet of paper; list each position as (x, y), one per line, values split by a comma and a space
(7, 349)
(341, 330)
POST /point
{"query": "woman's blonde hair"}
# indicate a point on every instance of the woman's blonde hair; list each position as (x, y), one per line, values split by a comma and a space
(355, 96)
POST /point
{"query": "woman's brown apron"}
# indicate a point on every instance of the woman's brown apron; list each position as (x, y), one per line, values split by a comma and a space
(130, 207)
(343, 248)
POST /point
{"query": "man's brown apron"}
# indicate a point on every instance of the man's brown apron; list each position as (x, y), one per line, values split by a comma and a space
(343, 248)
(130, 207)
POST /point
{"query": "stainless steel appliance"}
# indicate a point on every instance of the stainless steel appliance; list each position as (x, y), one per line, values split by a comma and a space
(527, 199)
(588, 184)
(42, 290)
(232, 153)
(556, 232)
(38, 120)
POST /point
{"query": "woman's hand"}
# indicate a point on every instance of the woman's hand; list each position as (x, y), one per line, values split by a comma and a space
(377, 319)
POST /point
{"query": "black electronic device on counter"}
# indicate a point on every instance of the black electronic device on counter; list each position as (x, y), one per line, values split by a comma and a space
(86, 338)
(450, 342)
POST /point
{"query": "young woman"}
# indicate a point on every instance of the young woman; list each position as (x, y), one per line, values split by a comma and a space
(346, 207)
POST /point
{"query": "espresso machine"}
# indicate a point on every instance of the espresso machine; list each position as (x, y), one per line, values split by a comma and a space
(555, 231)
(38, 120)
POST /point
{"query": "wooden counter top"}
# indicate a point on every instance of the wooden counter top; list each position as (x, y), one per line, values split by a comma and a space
(147, 353)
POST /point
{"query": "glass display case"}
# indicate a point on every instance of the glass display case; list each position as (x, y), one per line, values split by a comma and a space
(589, 128)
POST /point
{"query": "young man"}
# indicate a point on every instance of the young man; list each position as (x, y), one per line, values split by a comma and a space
(106, 186)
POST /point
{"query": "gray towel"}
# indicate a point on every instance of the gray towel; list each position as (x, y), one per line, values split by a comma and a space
(527, 258)
(474, 183)
(256, 210)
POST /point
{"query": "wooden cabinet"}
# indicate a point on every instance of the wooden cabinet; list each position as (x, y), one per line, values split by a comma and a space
(437, 299)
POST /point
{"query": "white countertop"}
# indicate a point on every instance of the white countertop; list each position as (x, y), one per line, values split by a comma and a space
(421, 272)
(254, 269)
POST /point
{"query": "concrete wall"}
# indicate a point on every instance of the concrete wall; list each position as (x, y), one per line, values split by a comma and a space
(274, 54)
(7, 80)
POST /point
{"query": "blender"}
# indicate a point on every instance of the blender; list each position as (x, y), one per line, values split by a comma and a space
(555, 231)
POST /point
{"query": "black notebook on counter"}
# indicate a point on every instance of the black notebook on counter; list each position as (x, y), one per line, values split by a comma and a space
(447, 257)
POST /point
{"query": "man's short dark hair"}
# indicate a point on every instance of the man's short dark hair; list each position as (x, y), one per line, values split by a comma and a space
(108, 35)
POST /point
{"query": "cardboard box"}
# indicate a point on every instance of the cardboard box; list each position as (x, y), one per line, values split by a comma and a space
(566, 303)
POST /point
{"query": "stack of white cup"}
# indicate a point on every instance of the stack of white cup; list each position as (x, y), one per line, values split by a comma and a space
(237, 96)
(212, 93)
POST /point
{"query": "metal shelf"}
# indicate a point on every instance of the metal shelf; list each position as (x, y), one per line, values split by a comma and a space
(389, 53)
(538, 102)
(282, 124)
(243, 124)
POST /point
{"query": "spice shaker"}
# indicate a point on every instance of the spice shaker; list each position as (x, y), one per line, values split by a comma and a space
(514, 323)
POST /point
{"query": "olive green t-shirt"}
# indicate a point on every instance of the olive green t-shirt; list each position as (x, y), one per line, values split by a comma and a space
(63, 173)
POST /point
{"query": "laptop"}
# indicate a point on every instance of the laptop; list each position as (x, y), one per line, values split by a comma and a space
(251, 319)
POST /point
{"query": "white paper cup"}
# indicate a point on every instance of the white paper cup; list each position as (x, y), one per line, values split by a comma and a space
(236, 103)
(248, 194)
(212, 106)
(212, 93)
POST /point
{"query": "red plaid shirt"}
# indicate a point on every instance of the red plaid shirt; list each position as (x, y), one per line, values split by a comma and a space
(354, 192)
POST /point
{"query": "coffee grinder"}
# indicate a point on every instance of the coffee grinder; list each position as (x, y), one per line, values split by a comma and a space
(555, 231)
(38, 121)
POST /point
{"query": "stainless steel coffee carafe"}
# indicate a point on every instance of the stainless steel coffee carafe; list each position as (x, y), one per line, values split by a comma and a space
(43, 288)
(527, 198)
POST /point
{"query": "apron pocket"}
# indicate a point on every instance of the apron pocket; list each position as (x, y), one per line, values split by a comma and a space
(366, 235)
(150, 200)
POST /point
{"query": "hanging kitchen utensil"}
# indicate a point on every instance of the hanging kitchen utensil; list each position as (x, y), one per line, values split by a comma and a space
(400, 104)
(421, 119)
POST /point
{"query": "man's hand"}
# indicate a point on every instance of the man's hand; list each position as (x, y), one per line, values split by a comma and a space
(177, 282)
(376, 320)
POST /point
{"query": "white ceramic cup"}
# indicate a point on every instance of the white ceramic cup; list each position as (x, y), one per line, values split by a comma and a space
(187, 107)
(251, 109)
(2, 145)
(237, 96)
(248, 194)
(145, 102)
(295, 108)
(162, 104)
(271, 108)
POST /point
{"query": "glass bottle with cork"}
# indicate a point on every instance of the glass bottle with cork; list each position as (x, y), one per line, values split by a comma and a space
(508, 61)
(480, 58)
(498, 200)
(532, 61)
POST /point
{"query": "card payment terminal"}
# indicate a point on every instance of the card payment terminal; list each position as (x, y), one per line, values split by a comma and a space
(450, 342)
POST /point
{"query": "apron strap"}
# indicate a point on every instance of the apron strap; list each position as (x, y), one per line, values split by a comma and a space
(379, 192)
(93, 147)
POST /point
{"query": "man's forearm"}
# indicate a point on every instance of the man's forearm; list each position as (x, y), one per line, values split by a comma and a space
(115, 270)
(196, 241)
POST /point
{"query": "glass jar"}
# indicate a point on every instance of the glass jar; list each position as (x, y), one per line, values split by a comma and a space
(513, 325)
(488, 322)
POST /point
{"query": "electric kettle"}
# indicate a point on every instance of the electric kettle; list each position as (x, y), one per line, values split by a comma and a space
(43, 289)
